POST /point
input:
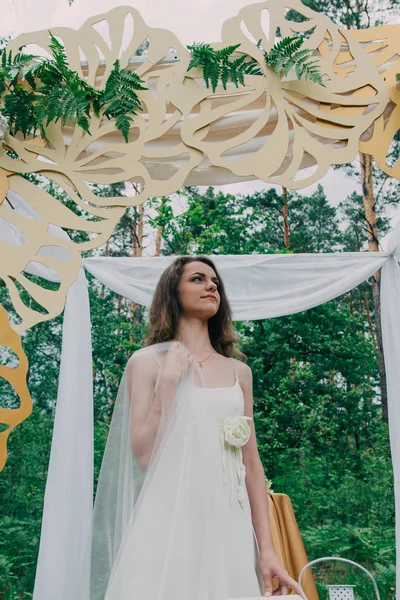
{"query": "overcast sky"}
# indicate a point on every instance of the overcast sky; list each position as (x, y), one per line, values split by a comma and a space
(190, 20)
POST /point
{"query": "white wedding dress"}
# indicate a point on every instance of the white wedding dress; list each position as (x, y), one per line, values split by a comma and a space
(203, 545)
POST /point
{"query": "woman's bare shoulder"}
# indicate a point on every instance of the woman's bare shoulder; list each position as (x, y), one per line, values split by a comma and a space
(143, 361)
(245, 373)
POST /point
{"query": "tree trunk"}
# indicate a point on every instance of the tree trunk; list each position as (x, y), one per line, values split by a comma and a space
(372, 237)
(158, 240)
(350, 301)
(106, 253)
(285, 214)
(371, 328)
(137, 247)
(119, 305)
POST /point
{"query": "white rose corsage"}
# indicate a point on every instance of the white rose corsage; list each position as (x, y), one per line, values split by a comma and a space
(237, 430)
(4, 128)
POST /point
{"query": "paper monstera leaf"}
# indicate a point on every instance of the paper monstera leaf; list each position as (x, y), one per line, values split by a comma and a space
(280, 126)
(15, 375)
(33, 242)
(383, 45)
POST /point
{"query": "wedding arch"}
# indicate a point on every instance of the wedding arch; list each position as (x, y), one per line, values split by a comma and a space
(276, 129)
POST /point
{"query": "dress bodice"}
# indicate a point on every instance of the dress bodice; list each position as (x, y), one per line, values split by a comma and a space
(222, 401)
(222, 409)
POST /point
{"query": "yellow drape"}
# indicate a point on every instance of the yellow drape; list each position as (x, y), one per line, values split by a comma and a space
(288, 543)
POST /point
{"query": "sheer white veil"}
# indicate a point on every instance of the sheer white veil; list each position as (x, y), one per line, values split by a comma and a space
(124, 493)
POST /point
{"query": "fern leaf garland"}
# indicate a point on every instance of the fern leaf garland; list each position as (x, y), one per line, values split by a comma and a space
(52, 91)
(285, 55)
(35, 91)
(218, 65)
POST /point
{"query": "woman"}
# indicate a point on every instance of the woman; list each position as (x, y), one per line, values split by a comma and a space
(181, 510)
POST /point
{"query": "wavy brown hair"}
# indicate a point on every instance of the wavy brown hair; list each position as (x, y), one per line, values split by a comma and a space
(165, 311)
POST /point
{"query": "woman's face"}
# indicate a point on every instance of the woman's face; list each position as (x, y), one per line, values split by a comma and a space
(197, 282)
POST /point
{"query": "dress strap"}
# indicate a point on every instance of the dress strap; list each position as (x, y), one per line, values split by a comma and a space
(234, 366)
(159, 370)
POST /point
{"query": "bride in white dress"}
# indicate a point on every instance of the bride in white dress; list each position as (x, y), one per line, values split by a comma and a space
(181, 510)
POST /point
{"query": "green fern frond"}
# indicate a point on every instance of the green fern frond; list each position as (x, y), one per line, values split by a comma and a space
(289, 66)
(287, 54)
(286, 47)
(218, 65)
(214, 75)
(20, 110)
(12, 68)
(238, 62)
(234, 77)
(226, 52)
(225, 75)
(120, 97)
(253, 68)
(123, 123)
(303, 54)
(194, 62)
(58, 52)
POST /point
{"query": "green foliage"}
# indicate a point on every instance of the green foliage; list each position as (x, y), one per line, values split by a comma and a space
(363, 545)
(120, 97)
(287, 54)
(37, 91)
(218, 65)
(22, 485)
(351, 14)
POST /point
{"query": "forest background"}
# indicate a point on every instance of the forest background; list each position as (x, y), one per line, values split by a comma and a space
(320, 400)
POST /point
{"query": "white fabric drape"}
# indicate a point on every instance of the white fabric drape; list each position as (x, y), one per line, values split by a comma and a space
(258, 286)
(68, 504)
(390, 319)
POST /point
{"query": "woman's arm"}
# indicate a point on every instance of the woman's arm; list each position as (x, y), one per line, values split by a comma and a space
(255, 477)
(270, 564)
(146, 404)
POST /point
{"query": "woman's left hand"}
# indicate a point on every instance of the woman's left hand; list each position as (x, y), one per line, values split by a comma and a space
(270, 567)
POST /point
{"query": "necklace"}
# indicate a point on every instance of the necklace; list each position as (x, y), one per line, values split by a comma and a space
(200, 362)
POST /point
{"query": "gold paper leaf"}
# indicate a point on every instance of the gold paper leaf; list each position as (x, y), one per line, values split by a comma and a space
(16, 377)
(382, 44)
(35, 238)
(293, 123)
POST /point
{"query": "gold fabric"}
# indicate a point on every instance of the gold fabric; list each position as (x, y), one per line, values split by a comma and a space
(288, 543)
